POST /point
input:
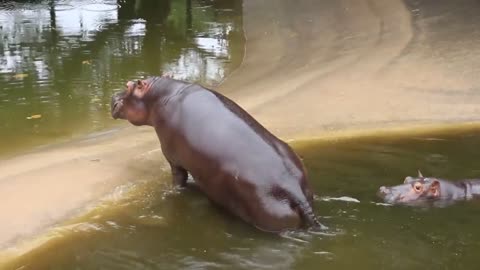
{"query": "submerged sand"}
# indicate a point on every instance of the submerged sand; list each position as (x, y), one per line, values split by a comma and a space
(311, 69)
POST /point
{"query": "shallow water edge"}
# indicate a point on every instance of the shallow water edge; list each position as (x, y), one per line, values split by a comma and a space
(121, 195)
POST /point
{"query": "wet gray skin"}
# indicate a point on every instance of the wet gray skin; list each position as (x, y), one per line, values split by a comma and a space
(424, 190)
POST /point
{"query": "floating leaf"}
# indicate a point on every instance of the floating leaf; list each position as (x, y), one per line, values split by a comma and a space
(20, 76)
(87, 62)
(35, 116)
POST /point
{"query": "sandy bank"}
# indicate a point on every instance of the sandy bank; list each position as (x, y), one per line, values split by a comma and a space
(345, 66)
(41, 188)
(312, 68)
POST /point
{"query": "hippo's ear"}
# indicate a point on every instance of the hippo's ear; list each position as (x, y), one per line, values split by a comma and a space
(409, 180)
(130, 87)
(420, 174)
(435, 189)
(141, 89)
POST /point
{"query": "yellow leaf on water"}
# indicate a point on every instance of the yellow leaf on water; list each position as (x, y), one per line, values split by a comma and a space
(87, 62)
(35, 116)
(20, 76)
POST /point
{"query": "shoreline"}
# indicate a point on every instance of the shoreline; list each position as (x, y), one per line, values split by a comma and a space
(116, 190)
(345, 64)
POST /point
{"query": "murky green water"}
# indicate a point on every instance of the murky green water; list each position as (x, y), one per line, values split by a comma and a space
(159, 228)
(61, 60)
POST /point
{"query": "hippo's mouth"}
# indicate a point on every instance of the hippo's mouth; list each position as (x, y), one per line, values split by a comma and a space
(391, 199)
(388, 196)
(400, 197)
(117, 105)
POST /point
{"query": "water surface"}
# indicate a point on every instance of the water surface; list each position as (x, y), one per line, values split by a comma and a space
(156, 227)
(60, 61)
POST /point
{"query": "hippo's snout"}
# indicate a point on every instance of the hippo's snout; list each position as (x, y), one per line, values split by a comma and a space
(383, 191)
(387, 194)
(116, 106)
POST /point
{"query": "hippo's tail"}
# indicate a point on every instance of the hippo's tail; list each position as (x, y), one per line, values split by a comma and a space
(308, 215)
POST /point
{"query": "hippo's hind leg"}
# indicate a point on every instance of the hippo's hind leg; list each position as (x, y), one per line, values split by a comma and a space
(285, 210)
(276, 215)
(179, 175)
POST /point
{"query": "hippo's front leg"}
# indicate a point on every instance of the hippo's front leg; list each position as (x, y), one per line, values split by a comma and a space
(179, 175)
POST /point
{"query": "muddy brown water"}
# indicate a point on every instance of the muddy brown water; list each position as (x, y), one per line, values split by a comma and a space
(157, 227)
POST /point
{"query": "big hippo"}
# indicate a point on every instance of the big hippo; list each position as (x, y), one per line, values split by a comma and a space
(421, 190)
(233, 159)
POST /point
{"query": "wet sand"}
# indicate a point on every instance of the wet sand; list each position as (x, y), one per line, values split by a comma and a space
(50, 184)
(312, 69)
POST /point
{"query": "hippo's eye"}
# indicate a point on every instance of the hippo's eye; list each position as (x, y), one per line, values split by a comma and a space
(418, 187)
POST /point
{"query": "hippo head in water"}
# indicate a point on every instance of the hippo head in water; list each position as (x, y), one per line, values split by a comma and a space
(413, 190)
(130, 104)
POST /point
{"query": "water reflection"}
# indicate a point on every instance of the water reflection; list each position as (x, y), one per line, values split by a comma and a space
(61, 60)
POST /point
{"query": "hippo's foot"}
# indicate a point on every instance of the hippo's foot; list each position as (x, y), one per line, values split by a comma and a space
(179, 176)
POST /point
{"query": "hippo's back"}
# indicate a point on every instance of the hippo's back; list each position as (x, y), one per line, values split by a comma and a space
(221, 131)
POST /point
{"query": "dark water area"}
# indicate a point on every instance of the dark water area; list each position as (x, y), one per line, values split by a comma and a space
(60, 61)
(157, 227)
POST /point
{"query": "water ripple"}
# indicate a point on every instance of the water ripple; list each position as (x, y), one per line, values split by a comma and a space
(99, 7)
(342, 199)
(63, 7)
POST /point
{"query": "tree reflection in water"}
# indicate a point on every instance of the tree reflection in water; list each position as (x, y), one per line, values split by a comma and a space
(63, 60)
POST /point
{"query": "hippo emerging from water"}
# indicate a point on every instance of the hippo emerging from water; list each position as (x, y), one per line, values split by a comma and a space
(420, 190)
(234, 160)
